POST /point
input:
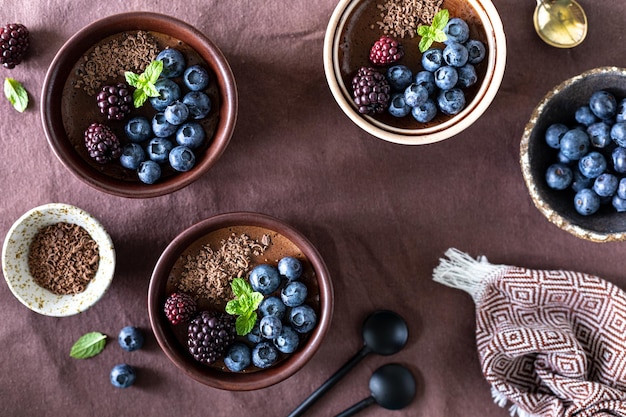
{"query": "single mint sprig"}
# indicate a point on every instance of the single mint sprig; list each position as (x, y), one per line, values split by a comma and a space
(434, 32)
(244, 305)
(16, 94)
(88, 345)
(144, 82)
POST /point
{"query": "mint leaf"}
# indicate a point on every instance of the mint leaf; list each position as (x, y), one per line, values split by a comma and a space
(88, 345)
(144, 82)
(244, 305)
(16, 94)
(434, 32)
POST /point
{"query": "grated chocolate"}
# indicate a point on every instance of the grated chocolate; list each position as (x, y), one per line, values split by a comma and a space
(400, 18)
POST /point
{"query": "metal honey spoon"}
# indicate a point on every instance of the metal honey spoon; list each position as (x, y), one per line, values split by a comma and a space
(560, 23)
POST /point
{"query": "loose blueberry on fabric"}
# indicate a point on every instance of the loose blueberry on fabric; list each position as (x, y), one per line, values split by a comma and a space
(130, 338)
(122, 376)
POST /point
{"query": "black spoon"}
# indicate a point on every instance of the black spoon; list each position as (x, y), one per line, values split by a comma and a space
(384, 333)
(392, 387)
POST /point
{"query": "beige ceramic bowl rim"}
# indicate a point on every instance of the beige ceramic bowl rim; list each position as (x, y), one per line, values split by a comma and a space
(485, 95)
(15, 262)
(248, 381)
(552, 215)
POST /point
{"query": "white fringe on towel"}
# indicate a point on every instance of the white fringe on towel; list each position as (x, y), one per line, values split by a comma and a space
(463, 272)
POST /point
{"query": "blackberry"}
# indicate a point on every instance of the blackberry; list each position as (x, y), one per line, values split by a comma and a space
(115, 101)
(370, 91)
(14, 42)
(180, 307)
(101, 143)
(385, 51)
(209, 336)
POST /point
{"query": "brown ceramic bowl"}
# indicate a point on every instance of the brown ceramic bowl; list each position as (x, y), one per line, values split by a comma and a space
(559, 106)
(67, 110)
(285, 241)
(353, 29)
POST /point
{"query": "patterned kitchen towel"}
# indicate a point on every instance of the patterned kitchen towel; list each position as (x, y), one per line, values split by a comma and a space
(552, 343)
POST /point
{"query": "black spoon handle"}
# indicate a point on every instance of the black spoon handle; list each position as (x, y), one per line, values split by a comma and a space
(301, 409)
(364, 403)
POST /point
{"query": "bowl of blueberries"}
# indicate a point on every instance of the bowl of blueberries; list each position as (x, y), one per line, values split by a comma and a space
(411, 72)
(139, 104)
(573, 155)
(240, 301)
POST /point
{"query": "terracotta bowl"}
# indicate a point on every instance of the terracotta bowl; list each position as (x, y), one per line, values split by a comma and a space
(17, 272)
(559, 106)
(67, 110)
(285, 241)
(353, 29)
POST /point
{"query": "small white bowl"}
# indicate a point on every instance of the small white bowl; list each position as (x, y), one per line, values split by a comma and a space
(15, 261)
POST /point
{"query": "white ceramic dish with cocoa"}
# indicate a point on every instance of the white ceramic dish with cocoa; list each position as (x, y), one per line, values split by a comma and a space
(15, 261)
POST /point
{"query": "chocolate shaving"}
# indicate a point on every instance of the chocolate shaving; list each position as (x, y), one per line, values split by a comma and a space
(400, 18)
(208, 274)
(63, 258)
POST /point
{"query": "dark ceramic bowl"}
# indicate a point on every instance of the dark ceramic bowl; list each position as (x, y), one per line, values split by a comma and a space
(285, 241)
(67, 110)
(559, 106)
(353, 29)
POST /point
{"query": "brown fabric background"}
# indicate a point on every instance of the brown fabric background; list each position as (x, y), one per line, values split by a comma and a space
(381, 214)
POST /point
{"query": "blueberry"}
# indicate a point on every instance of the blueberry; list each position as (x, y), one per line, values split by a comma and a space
(451, 101)
(427, 80)
(122, 376)
(264, 355)
(158, 149)
(559, 176)
(161, 127)
(414, 95)
(446, 77)
(273, 306)
(238, 357)
(426, 112)
(290, 267)
(621, 189)
(182, 158)
(467, 76)
(620, 114)
(270, 327)
(173, 62)
(599, 134)
(619, 204)
(264, 278)
(293, 294)
(255, 334)
(399, 77)
(618, 133)
(303, 318)
(432, 59)
(455, 54)
(287, 341)
(456, 30)
(585, 116)
(198, 103)
(398, 106)
(191, 135)
(168, 91)
(554, 133)
(603, 104)
(196, 78)
(563, 159)
(132, 155)
(176, 113)
(149, 172)
(605, 185)
(138, 129)
(618, 157)
(476, 51)
(580, 181)
(130, 338)
(592, 165)
(586, 202)
(575, 144)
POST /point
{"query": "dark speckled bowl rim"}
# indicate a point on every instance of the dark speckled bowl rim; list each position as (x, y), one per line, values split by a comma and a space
(229, 380)
(78, 44)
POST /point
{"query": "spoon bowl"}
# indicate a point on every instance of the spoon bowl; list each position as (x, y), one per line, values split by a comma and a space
(560, 23)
